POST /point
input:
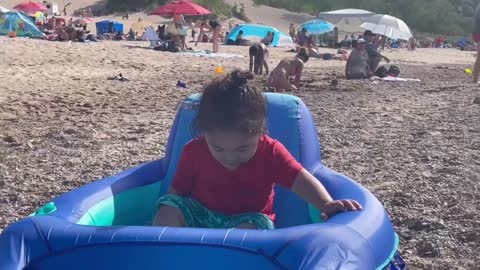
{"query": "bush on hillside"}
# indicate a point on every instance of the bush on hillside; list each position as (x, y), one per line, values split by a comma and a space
(433, 16)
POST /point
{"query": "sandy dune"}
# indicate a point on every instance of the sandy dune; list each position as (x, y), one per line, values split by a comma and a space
(275, 17)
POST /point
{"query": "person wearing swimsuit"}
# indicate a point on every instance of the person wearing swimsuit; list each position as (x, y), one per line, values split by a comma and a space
(288, 67)
(214, 26)
(258, 58)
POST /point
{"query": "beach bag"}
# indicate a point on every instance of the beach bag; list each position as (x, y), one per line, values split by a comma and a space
(327, 56)
(381, 72)
(161, 47)
(393, 71)
(172, 46)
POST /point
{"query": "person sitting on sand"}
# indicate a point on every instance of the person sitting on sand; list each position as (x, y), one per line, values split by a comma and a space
(267, 40)
(226, 176)
(258, 58)
(374, 57)
(240, 40)
(357, 66)
(288, 67)
(303, 39)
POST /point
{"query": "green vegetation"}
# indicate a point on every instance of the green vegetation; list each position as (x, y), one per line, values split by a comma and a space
(450, 17)
(218, 7)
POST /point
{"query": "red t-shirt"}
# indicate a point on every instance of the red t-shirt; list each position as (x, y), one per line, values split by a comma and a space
(249, 188)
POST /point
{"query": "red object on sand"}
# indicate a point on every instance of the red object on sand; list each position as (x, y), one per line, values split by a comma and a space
(29, 7)
(180, 7)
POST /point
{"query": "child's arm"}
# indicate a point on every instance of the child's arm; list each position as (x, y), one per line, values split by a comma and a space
(312, 191)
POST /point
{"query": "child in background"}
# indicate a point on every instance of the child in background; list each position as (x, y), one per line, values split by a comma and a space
(258, 58)
(225, 177)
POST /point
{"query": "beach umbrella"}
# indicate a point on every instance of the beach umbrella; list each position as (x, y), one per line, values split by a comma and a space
(180, 7)
(388, 26)
(82, 20)
(39, 15)
(317, 26)
(30, 7)
(3, 10)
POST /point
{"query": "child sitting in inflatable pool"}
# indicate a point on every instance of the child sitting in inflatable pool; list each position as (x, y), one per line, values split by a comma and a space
(225, 177)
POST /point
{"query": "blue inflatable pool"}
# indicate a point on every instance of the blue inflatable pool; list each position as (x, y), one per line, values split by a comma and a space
(105, 224)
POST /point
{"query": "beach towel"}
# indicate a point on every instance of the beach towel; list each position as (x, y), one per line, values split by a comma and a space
(394, 79)
(208, 54)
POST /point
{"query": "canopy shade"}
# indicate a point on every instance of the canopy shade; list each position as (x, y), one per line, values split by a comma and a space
(337, 15)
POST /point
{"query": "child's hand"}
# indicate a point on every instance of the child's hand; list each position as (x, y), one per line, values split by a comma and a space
(330, 208)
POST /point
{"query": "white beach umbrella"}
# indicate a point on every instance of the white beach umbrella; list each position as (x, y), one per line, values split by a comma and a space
(388, 26)
(3, 10)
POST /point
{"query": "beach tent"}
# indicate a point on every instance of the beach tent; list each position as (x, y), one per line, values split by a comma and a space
(19, 23)
(256, 32)
(348, 20)
(336, 16)
(3, 10)
(104, 26)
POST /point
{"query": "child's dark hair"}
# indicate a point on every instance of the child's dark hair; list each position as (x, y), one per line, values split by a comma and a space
(256, 52)
(230, 103)
(303, 55)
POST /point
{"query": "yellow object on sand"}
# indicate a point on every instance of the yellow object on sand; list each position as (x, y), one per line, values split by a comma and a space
(468, 71)
(39, 15)
(219, 69)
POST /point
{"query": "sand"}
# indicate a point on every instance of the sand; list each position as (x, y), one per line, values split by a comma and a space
(414, 145)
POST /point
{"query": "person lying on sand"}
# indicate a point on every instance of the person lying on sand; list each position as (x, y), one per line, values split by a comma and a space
(258, 58)
(313, 52)
(357, 66)
(280, 76)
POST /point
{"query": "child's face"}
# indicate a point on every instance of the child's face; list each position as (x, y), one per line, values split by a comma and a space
(230, 147)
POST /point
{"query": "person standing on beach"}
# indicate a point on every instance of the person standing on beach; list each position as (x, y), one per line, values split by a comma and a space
(292, 31)
(476, 38)
(214, 26)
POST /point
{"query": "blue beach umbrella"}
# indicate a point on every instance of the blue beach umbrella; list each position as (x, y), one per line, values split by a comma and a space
(317, 26)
